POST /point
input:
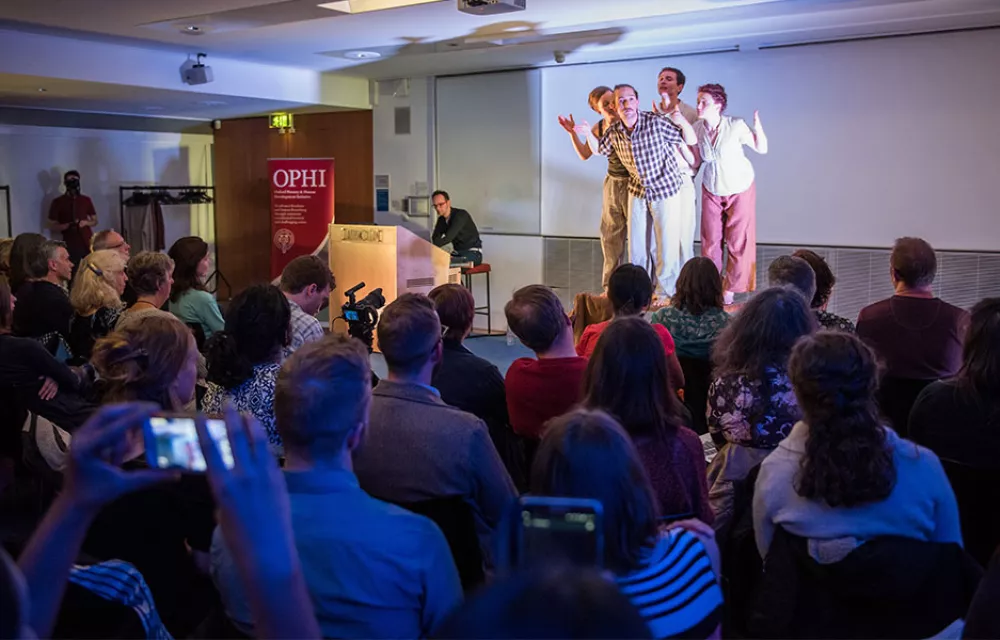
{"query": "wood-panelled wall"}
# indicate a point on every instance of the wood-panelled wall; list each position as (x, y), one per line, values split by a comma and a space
(243, 197)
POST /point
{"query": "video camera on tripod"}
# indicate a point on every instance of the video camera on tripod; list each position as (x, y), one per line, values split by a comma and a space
(362, 315)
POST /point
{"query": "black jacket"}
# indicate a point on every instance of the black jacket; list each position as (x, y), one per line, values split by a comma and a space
(459, 230)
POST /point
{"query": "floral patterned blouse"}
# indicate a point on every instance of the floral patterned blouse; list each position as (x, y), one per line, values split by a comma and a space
(739, 409)
(693, 335)
(832, 321)
(255, 396)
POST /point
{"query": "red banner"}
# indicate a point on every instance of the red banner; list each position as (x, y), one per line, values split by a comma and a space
(301, 208)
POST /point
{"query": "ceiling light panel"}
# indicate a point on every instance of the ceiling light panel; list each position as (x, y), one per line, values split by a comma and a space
(365, 6)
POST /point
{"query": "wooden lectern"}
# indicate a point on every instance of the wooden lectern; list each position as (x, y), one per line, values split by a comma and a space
(393, 258)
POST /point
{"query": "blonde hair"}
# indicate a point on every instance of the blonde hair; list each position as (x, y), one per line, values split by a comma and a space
(93, 287)
(141, 360)
(6, 244)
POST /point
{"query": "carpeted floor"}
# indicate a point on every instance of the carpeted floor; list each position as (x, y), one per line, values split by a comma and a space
(492, 348)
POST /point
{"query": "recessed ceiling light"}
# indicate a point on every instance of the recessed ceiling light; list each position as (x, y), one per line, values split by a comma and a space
(362, 55)
(42, 89)
(193, 29)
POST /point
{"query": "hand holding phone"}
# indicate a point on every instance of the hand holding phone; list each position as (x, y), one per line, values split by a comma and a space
(567, 529)
(172, 442)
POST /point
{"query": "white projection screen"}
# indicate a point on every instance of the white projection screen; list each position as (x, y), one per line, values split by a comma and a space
(869, 140)
(489, 148)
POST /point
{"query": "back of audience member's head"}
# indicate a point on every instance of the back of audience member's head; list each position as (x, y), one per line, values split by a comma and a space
(6, 305)
(547, 603)
(762, 334)
(981, 353)
(98, 283)
(322, 396)
(310, 279)
(699, 287)
(587, 454)
(6, 244)
(37, 264)
(409, 334)
(627, 377)
(913, 263)
(456, 309)
(256, 330)
(789, 271)
(187, 254)
(847, 460)
(149, 272)
(22, 254)
(536, 316)
(155, 360)
(630, 290)
(824, 276)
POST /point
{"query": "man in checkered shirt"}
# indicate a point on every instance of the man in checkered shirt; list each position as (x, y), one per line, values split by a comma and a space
(307, 282)
(645, 142)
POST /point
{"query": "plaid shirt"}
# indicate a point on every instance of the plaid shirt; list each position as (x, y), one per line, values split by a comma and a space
(648, 154)
(305, 328)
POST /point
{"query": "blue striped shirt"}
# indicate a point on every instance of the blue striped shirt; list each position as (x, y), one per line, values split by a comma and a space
(675, 588)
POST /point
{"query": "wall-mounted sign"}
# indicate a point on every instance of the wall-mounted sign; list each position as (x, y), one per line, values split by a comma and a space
(281, 121)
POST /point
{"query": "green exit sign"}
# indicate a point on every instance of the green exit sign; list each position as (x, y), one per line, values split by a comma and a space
(281, 121)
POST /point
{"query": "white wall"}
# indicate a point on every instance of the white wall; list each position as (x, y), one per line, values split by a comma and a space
(869, 140)
(33, 160)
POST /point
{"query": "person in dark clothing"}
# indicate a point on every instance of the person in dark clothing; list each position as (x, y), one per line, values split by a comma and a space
(959, 418)
(25, 245)
(73, 213)
(43, 306)
(455, 226)
(471, 383)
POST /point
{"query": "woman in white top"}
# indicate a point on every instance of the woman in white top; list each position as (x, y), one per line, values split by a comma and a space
(729, 196)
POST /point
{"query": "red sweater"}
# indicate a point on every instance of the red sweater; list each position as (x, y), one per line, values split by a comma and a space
(538, 390)
(585, 347)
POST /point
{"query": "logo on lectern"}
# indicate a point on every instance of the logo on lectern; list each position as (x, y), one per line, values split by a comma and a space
(362, 235)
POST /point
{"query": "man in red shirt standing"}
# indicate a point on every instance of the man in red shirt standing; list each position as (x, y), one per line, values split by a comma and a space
(73, 213)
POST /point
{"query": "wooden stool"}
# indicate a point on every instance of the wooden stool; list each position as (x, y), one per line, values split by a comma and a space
(467, 273)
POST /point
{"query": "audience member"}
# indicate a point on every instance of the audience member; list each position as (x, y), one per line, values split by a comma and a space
(6, 244)
(351, 544)
(670, 576)
(111, 240)
(307, 282)
(469, 382)
(794, 272)
(151, 275)
(695, 315)
(983, 619)
(96, 299)
(841, 478)
(959, 419)
(824, 289)
(189, 300)
(627, 378)
(553, 602)
(164, 531)
(630, 291)
(417, 447)
(751, 405)
(917, 335)
(551, 384)
(244, 359)
(44, 310)
(25, 246)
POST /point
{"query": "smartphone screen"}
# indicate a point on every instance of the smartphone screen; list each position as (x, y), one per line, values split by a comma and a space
(172, 443)
(560, 529)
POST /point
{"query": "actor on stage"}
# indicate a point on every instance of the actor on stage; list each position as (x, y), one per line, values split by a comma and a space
(614, 209)
(669, 83)
(729, 195)
(645, 141)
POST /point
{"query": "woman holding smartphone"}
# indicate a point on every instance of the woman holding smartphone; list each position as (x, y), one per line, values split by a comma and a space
(670, 575)
(729, 192)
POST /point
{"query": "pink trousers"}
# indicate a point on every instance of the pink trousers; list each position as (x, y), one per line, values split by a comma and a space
(731, 222)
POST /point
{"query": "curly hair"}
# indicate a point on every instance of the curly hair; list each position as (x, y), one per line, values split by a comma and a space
(148, 270)
(256, 330)
(141, 360)
(847, 461)
(699, 287)
(93, 286)
(718, 94)
(762, 334)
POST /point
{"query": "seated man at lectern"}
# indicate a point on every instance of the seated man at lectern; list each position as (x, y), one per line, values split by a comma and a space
(455, 226)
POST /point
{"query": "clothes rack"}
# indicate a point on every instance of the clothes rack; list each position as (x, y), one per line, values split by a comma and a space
(169, 195)
(7, 212)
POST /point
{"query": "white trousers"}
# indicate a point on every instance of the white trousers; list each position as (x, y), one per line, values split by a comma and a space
(661, 236)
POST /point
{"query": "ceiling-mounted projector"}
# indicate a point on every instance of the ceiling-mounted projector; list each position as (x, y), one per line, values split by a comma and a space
(198, 73)
(491, 7)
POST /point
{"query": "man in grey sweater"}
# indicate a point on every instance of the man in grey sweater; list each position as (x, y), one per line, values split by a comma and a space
(419, 448)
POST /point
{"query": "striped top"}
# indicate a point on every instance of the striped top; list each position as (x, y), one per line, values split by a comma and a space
(675, 588)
